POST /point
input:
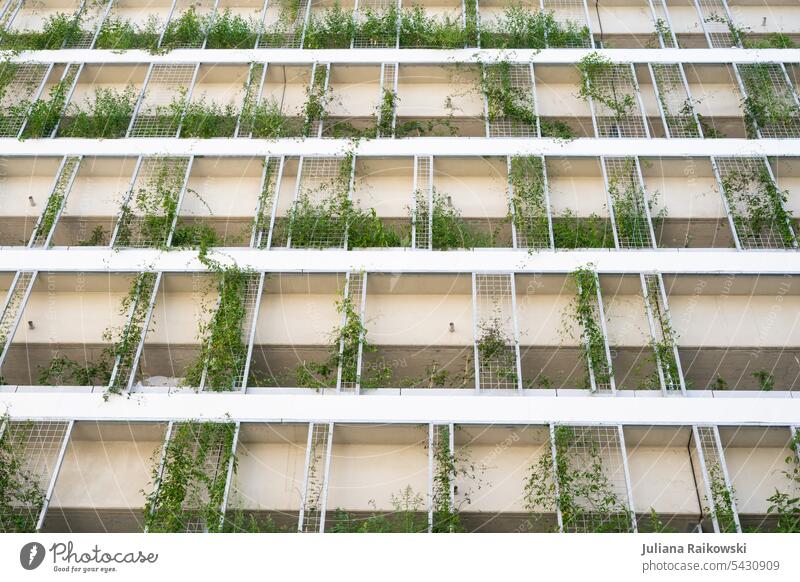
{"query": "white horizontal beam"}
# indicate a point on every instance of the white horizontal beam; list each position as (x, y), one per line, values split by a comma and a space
(421, 409)
(408, 56)
(93, 260)
(436, 146)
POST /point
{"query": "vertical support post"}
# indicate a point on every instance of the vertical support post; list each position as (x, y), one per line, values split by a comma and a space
(556, 484)
(180, 200)
(306, 473)
(624, 453)
(12, 329)
(728, 482)
(431, 443)
(68, 97)
(54, 477)
(166, 23)
(145, 326)
(161, 465)
(515, 321)
(653, 334)
(706, 480)
(67, 170)
(362, 315)
(229, 476)
(325, 479)
(609, 201)
(725, 204)
(475, 351)
(602, 316)
(638, 93)
(252, 335)
(275, 198)
(659, 97)
(139, 101)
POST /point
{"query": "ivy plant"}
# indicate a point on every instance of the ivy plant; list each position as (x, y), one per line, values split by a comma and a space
(189, 490)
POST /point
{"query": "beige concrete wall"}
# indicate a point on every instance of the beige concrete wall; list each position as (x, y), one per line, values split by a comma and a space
(297, 318)
(661, 478)
(407, 319)
(583, 195)
(540, 319)
(736, 320)
(100, 187)
(178, 314)
(114, 77)
(387, 186)
(269, 476)
(20, 179)
(366, 476)
(105, 474)
(755, 473)
(212, 182)
(626, 320)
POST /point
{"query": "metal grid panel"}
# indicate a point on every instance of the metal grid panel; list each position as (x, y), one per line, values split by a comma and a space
(377, 8)
(214, 468)
(569, 10)
(712, 474)
(521, 84)
(666, 350)
(36, 446)
(423, 200)
(55, 202)
(756, 78)
(285, 31)
(617, 82)
(203, 9)
(320, 178)
(11, 11)
(715, 22)
(388, 85)
(91, 17)
(588, 447)
(318, 88)
(266, 205)
(441, 479)
(666, 33)
(628, 199)
(15, 301)
(312, 516)
(28, 78)
(252, 293)
(349, 373)
(165, 176)
(494, 333)
(675, 101)
(255, 81)
(742, 182)
(165, 93)
(605, 366)
(530, 202)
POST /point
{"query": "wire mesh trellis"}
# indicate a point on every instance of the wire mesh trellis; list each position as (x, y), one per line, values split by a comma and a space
(148, 213)
(350, 348)
(711, 474)
(617, 85)
(273, 170)
(530, 202)
(35, 448)
(164, 99)
(570, 10)
(422, 203)
(91, 17)
(284, 28)
(663, 24)
(55, 202)
(441, 477)
(369, 39)
(495, 333)
(592, 478)
(18, 95)
(664, 344)
(755, 204)
(323, 183)
(202, 8)
(250, 101)
(590, 316)
(516, 84)
(717, 24)
(675, 102)
(312, 511)
(388, 107)
(628, 200)
(15, 302)
(10, 12)
(318, 96)
(769, 102)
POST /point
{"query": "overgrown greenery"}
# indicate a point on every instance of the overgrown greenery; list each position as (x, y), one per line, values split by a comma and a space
(106, 116)
(722, 498)
(519, 27)
(593, 67)
(231, 31)
(529, 202)
(119, 34)
(186, 31)
(407, 516)
(583, 312)
(418, 30)
(576, 485)
(146, 218)
(317, 99)
(189, 491)
(445, 514)
(43, 114)
(21, 495)
(223, 351)
(785, 505)
(495, 350)
(506, 101)
(333, 29)
(582, 232)
(756, 204)
(764, 107)
(628, 198)
(59, 30)
(208, 119)
(448, 229)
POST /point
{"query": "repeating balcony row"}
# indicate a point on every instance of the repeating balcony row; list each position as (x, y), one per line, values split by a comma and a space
(419, 202)
(594, 98)
(85, 476)
(174, 24)
(382, 333)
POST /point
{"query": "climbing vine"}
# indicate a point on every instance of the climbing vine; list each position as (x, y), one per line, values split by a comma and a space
(529, 202)
(593, 67)
(785, 505)
(763, 106)
(583, 311)
(495, 350)
(445, 515)
(189, 490)
(663, 347)
(756, 203)
(576, 485)
(317, 99)
(21, 495)
(505, 101)
(722, 498)
(407, 516)
(628, 199)
(519, 27)
(106, 116)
